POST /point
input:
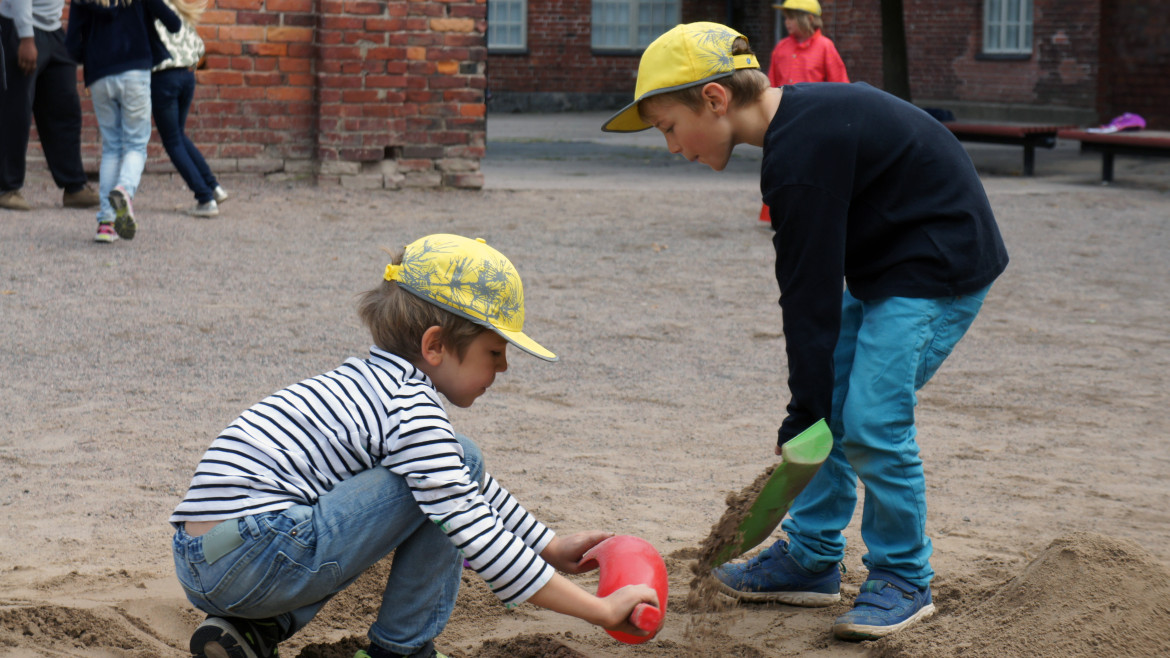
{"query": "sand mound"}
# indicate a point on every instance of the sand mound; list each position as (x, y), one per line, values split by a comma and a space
(1085, 595)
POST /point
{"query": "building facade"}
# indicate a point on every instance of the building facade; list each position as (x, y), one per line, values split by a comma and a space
(1069, 61)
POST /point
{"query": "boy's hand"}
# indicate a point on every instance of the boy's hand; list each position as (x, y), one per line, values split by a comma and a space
(564, 553)
(621, 604)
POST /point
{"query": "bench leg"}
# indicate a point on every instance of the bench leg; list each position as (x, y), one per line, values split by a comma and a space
(1106, 167)
(1029, 159)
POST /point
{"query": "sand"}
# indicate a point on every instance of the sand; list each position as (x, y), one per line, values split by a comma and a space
(1043, 435)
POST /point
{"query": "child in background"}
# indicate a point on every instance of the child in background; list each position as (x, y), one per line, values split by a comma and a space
(115, 42)
(318, 482)
(805, 55)
(885, 249)
(172, 88)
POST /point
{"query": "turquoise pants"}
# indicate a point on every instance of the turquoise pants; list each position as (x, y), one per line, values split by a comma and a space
(888, 349)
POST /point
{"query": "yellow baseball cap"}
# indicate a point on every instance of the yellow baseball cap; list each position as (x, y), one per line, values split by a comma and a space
(811, 6)
(470, 279)
(684, 56)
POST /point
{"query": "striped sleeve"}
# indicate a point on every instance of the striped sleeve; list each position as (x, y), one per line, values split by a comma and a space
(502, 544)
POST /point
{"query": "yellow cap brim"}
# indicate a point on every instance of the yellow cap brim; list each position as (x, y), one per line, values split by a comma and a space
(627, 120)
(521, 340)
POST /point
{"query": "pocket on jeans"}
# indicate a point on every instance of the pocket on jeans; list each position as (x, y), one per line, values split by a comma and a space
(287, 585)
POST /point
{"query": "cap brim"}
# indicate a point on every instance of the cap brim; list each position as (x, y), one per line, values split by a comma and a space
(627, 119)
(517, 338)
(521, 340)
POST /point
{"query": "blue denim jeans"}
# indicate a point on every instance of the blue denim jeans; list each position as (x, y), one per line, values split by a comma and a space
(290, 563)
(887, 350)
(122, 105)
(171, 92)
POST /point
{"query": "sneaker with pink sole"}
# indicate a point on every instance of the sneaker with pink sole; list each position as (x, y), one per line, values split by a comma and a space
(124, 223)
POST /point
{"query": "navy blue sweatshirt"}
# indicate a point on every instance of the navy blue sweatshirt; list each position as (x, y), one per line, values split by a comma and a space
(870, 192)
(119, 38)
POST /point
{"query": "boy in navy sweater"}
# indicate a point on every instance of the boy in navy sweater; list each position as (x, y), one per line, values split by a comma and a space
(885, 249)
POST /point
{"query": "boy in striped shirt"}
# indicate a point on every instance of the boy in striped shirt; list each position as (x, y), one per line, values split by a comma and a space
(318, 482)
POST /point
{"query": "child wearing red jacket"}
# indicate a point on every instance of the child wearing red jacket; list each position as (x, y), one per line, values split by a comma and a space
(805, 55)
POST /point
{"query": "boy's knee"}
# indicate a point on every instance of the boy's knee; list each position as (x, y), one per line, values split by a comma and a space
(472, 457)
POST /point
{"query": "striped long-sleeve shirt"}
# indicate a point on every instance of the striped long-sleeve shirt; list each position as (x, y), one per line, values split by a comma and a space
(381, 412)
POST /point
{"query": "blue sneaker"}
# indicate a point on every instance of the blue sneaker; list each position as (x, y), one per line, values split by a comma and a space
(886, 604)
(774, 576)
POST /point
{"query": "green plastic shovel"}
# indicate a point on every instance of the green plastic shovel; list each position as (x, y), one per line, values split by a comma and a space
(802, 457)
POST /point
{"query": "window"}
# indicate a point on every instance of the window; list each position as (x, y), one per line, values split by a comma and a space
(631, 24)
(1007, 27)
(507, 25)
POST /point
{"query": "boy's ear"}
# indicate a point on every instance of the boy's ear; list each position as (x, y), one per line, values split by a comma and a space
(432, 347)
(716, 98)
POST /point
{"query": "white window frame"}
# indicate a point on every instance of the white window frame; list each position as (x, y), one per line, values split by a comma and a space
(1007, 27)
(496, 26)
(639, 31)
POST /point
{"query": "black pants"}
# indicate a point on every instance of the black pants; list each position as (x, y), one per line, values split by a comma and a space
(49, 95)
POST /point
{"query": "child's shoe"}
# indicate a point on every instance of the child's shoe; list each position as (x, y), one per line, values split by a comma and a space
(886, 604)
(219, 194)
(224, 637)
(124, 222)
(105, 232)
(427, 651)
(205, 210)
(774, 576)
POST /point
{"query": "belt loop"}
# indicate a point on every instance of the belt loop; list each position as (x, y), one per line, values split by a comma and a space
(253, 526)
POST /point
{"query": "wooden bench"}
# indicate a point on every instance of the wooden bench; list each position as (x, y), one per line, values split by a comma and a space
(1138, 142)
(1028, 135)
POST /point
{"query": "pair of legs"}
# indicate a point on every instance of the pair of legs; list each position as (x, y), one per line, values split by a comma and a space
(172, 91)
(887, 350)
(290, 563)
(48, 94)
(122, 105)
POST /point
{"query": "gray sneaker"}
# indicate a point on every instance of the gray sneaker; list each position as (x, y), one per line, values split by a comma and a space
(223, 637)
(205, 210)
(220, 195)
(124, 222)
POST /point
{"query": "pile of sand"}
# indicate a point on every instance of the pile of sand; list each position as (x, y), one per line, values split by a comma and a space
(1085, 595)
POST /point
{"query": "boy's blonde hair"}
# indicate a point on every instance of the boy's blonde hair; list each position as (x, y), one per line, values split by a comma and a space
(398, 319)
(190, 10)
(745, 85)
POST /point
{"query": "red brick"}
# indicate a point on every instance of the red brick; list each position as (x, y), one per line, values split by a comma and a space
(301, 34)
(303, 6)
(290, 93)
(237, 33)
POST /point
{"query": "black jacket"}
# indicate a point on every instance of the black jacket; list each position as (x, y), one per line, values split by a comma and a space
(869, 191)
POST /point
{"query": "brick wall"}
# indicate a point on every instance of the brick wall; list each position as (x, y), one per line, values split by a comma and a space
(1060, 79)
(369, 93)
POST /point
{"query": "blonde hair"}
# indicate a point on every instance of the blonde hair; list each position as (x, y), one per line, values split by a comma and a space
(806, 23)
(397, 320)
(745, 85)
(189, 10)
